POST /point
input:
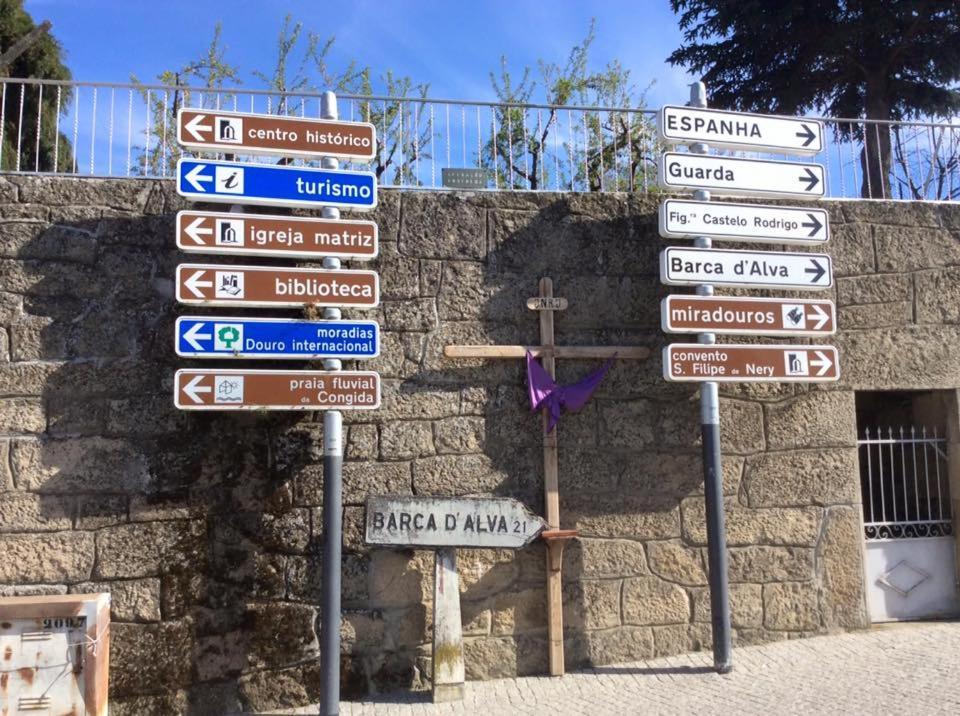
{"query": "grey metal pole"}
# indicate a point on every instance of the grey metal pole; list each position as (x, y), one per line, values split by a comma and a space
(332, 499)
(712, 470)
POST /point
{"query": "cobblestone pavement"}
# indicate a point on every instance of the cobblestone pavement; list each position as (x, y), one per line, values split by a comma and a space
(910, 668)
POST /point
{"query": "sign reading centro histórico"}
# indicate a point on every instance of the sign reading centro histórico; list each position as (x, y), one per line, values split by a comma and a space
(453, 522)
(750, 363)
(275, 185)
(296, 237)
(740, 177)
(740, 130)
(226, 337)
(681, 219)
(243, 133)
(747, 316)
(227, 285)
(760, 269)
(225, 389)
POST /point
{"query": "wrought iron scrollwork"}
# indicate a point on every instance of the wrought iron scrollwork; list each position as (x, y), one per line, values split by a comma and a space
(907, 530)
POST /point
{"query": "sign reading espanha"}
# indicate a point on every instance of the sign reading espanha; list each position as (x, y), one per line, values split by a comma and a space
(224, 389)
(295, 237)
(700, 362)
(275, 185)
(740, 130)
(450, 522)
(747, 316)
(226, 337)
(681, 219)
(740, 177)
(759, 269)
(242, 133)
(229, 285)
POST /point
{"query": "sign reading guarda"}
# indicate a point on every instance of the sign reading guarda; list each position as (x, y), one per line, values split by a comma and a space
(244, 133)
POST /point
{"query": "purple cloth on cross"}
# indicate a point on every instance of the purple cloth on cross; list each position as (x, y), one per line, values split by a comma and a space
(545, 393)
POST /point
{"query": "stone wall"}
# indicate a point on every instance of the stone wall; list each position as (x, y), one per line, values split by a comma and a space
(206, 528)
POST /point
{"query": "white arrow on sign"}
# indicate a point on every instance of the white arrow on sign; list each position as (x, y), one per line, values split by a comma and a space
(194, 283)
(743, 177)
(740, 130)
(760, 269)
(197, 129)
(195, 177)
(194, 335)
(193, 389)
(823, 361)
(680, 218)
(821, 316)
(195, 231)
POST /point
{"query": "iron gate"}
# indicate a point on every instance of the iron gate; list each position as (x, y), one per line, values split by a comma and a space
(908, 527)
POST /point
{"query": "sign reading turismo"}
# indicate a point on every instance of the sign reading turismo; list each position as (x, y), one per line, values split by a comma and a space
(275, 134)
(275, 185)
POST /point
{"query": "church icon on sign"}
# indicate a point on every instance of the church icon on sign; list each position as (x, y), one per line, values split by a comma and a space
(229, 130)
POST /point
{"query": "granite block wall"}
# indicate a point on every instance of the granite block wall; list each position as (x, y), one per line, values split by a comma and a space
(206, 528)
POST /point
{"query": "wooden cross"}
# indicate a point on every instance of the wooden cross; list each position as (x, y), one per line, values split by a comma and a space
(555, 537)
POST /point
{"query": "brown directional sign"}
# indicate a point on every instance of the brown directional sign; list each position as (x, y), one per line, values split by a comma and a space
(747, 316)
(750, 364)
(243, 133)
(227, 285)
(214, 389)
(211, 232)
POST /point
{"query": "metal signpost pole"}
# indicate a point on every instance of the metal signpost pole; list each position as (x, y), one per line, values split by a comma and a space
(332, 496)
(712, 472)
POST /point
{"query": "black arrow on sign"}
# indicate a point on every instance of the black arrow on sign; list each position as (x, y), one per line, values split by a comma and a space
(807, 134)
(817, 271)
(811, 180)
(814, 225)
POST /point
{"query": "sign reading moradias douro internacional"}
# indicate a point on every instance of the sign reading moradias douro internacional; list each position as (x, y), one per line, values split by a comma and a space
(275, 185)
(740, 130)
(242, 133)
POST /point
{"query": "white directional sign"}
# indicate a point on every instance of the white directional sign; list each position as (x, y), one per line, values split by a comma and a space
(740, 130)
(458, 522)
(757, 269)
(740, 177)
(681, 219)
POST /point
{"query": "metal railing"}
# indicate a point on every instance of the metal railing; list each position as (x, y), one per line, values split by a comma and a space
(129, 130)
(904, 483)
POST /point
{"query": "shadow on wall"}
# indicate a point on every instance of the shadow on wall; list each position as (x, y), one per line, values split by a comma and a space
(206, 527)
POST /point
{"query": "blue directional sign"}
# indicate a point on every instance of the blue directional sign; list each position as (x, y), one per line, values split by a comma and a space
(275, 185)
(216, 337)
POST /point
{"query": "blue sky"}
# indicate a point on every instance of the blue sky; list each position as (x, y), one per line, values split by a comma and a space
(451, 45)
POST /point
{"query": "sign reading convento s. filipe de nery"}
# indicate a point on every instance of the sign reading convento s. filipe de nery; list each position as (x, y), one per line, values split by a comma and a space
(759, 269)
(747, 316)
(242, 133)
(749, 363)
(740, 130)
(226, 337)
(225, 389)
(740, 177)
(295, 237)
(228, 285)
(450, 522)
(275, 185)
(681, 219)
